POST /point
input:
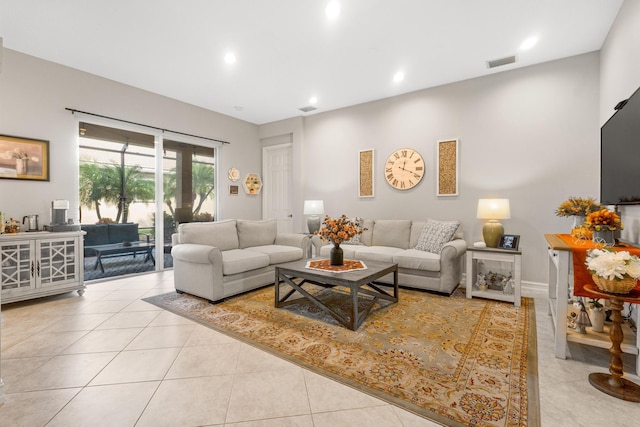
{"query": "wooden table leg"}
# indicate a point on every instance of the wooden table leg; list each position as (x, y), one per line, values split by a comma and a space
(613, 384)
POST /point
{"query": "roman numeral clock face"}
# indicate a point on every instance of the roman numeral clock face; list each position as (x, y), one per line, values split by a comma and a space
(404, 169)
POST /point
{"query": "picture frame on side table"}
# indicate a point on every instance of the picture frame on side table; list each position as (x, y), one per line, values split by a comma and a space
(509, 241)
(365, 173)
(24, 158)
(447, 167)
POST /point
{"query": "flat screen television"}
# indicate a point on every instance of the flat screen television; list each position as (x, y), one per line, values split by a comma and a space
(620, 154)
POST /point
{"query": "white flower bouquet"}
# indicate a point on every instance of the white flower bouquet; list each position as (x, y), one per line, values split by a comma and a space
(613, 271)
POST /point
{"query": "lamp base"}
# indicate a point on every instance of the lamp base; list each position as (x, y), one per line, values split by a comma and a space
(313, 224)
(491, 233)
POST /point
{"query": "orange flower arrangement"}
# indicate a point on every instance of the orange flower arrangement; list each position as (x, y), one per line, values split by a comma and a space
(603, 220)
(338, 230)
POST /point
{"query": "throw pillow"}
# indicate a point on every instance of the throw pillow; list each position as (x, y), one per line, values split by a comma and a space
(435, 234)
(355, 240)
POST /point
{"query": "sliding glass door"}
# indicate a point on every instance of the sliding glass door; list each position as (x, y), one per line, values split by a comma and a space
(120, 172)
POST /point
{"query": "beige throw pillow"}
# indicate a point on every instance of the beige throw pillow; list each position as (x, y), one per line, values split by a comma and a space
(435, 234)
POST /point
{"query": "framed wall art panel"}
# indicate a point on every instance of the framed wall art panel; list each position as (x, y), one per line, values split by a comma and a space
(24, 158)
(448, 167)
(365, 173)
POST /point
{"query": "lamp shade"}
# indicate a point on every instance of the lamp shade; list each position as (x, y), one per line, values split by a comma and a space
(493, 209)
(313, 207)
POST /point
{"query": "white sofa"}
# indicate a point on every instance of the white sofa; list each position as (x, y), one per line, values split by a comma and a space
(437, 266)
(215, 260)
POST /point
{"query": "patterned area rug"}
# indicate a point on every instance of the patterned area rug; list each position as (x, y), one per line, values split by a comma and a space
(455, 361)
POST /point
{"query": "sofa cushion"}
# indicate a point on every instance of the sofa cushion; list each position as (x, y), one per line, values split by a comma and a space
(435, 234)
(417, 260)
(278, 253)
(367, 233)
(256, 233)
(391, 232)
(221, 234)
(240, 260)
(376, 253)
(97, 234)
(119, 233)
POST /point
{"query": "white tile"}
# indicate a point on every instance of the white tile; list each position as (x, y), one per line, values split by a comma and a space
(43, 344)
(103, 340)
(137, 365)
(189, 402)
(205, 360)
(326, 395)
(297, 421)
(161, 336)
(273, 394)
(34, 408)
(251, 359)
(377, 416)
(75, 370)
(202, 335)
(133, 319)
(106, 406)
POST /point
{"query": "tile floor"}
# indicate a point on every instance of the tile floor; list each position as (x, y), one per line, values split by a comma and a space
(110, 359)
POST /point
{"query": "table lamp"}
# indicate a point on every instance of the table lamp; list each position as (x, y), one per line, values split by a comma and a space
(314, 208)
(493, 210)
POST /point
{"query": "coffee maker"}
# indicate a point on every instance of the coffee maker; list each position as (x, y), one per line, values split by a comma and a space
(59, 210)
(59, 221)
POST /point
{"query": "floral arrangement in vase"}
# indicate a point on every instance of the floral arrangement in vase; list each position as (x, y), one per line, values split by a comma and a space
(613, 271)
(603, 220)
(578, 206)
(338, 230)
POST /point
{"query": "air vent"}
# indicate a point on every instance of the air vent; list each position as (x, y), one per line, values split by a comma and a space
(307, 109)
(502, 61)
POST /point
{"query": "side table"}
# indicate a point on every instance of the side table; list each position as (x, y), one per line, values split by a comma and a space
(494, 254)
(613, 384)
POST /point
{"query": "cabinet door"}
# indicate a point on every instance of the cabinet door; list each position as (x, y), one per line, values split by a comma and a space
(17, 267)
(57, 261)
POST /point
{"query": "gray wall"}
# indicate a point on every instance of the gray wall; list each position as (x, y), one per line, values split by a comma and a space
(530, 135)
(33, 97)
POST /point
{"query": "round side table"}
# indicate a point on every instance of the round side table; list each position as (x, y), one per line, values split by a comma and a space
(613, 384)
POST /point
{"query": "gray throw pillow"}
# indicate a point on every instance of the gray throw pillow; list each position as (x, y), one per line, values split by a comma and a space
(435, 234)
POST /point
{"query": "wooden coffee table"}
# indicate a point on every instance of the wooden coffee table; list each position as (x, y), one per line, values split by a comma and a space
(355, 283)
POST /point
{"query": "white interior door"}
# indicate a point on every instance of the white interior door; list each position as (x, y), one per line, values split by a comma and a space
(278, 185)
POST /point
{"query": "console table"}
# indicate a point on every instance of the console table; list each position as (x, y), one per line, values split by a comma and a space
(560, 285)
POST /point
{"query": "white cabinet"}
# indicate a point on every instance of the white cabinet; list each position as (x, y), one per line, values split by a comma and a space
(38, 264)
(474, 255)
(560, 294)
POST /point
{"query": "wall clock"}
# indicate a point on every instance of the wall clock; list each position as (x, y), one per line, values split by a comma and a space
(234, 174)
(252, 183)
(404, 169)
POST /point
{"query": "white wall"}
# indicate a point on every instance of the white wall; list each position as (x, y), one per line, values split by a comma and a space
(619, 78)
(33, 96)
(530, 135)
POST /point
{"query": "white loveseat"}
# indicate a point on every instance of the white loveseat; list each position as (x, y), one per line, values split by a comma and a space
(215, 260)
(437, 266)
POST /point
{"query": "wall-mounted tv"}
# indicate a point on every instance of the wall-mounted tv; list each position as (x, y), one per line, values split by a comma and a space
(620, 154)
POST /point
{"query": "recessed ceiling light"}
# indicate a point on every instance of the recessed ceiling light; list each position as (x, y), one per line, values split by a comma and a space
(529, 43)
(398, 77)
(230, 58)
(313, 100)
(332, 10)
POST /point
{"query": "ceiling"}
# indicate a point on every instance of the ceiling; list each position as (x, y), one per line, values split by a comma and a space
(288, 50)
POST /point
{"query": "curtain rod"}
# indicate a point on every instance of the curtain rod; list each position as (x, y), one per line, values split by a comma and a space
(148, 126)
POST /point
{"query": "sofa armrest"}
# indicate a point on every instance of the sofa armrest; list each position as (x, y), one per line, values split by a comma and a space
(293, 239)
(453, 250)
(198, 254)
